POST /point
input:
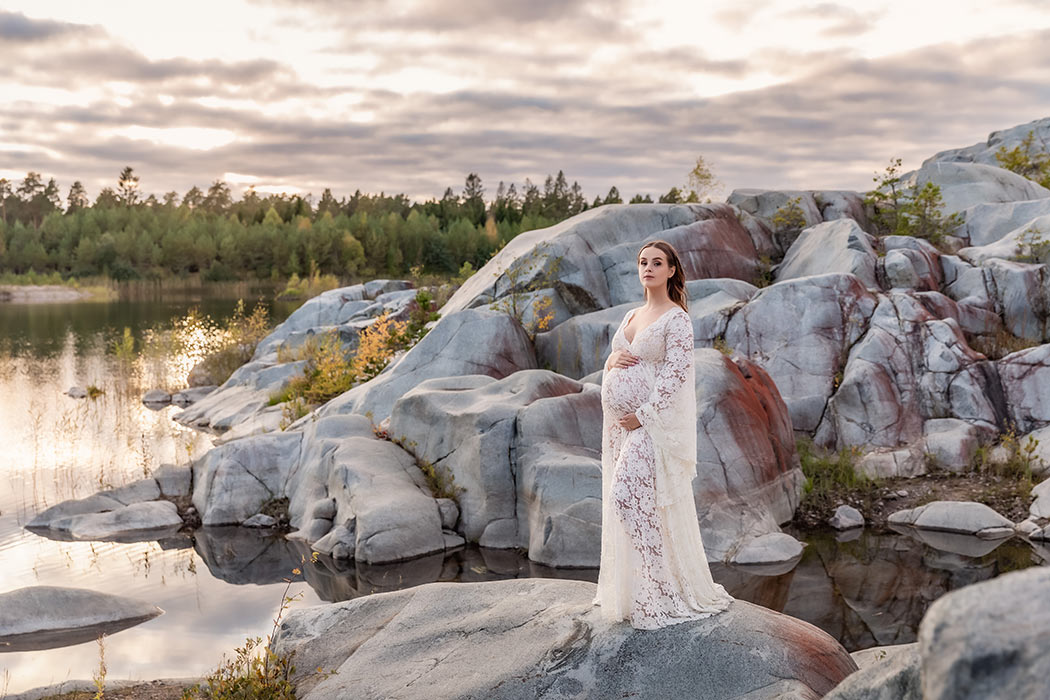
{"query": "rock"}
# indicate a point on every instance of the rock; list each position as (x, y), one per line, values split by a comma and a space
(77, 392)
(596, 250)
(951, 443)
(474, 341)
(1040, 507)
(1025, 377)
(985, 224)
(965, 184)
(260, 520)
(132, 523)
(907, 368)
(986, 151)
(375, 485)
(269, 419)
(897, 677)
(464, 426)
(846, 517)
(988, 639)
(911, 263)
(558, 478)
(174, 480)
(190, 396)
(878, 654)
(233, 481)
(800, 331)
(156, 397)
(543, 638)
(965, 517)
(769, 548)
(242, 396)
(816, 206)
(45, 617)
(839, 246)
(96, 503)
(135, 492)
(884, 463)
(580, 345)
(449, 513)
(1027, 527)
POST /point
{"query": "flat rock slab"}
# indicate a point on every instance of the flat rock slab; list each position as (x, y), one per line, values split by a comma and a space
(543, 638)
(965, 517)
(46, 617)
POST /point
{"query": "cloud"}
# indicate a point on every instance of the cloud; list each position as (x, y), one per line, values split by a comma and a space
(610, 113)
(15, 27)
(842, 21)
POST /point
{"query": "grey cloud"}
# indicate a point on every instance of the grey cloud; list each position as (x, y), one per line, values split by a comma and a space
(15, 27)
(844, 21)
(833, 128)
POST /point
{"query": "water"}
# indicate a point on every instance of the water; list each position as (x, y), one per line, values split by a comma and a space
(222, 585)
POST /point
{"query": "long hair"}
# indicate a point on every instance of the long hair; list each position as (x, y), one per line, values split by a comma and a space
(675, 285)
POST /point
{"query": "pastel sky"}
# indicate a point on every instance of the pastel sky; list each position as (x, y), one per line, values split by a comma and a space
(411, 95)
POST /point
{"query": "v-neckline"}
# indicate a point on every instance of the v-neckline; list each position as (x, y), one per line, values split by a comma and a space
(639, 332)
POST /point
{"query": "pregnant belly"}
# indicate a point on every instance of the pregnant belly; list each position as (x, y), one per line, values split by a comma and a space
(624, 390)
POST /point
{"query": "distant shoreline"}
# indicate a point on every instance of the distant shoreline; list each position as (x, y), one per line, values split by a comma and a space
(41, 294)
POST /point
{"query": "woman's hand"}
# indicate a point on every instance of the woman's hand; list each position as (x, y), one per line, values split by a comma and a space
(621, 359)
(630, 421)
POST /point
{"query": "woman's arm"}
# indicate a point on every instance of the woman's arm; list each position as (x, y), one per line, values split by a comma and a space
(672, 374)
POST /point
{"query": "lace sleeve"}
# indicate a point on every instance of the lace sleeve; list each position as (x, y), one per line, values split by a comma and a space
(673, 373)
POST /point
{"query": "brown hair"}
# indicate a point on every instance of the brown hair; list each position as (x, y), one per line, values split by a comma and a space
(675, 285)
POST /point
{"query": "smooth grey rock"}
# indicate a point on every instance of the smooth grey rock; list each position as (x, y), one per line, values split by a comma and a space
(839, 246)
(1025, 377)
(965, 184)
(192, 395)
(76, 392)
(260, 520)
(465, 426)
(965, 517)
(985, 224)
(894, 678)
(952, 443)
(473, 341)
(242, 396)
(846, 517)
(44, 617)
(816, 206)
(135, 492)
(1040, 507)
(156, 396)
(449, 512)
(536, 638)
(988, 639)
(51, 517)
(340, 542)
(375, 484)
(233, 481)
(130, 523)
(878, 654)
(985, 151)
(174, 480)
(886, 463)
(770, 548)
(799, 331)
(596, 253)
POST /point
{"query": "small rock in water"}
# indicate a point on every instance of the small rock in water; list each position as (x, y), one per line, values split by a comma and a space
(77, 392)
(260, 520)
(156, 397)
(902, 494)
(846, 517)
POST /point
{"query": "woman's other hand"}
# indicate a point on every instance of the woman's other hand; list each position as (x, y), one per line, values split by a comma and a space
(621, 359)
(630, 421)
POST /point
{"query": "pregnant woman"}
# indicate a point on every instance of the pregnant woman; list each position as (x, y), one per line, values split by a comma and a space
(654, 571)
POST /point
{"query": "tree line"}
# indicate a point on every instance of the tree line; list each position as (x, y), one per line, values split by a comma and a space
(127, 235)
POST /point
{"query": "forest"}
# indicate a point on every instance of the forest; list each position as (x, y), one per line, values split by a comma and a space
(126, 235)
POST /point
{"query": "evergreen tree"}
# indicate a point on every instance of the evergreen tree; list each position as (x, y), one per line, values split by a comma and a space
(77, 198)
(128, 187)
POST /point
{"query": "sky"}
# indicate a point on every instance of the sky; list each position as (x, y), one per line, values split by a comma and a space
(411, 95)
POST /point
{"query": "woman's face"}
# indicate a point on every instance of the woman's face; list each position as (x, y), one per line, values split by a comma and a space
(653, 270)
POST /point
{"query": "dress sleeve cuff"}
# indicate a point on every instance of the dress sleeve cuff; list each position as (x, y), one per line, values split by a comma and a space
(644, 413)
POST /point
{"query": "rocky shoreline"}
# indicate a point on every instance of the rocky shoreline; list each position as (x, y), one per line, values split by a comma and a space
(41, 294)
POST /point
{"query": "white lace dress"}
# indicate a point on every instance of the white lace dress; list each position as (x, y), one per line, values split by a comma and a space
(653, 568)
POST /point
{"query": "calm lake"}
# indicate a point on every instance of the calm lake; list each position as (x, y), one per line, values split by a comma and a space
(221, 585)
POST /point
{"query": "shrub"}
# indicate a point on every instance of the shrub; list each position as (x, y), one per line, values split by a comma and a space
(236, 342)
(1026, 160)
(832, 478)
(908, 211)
